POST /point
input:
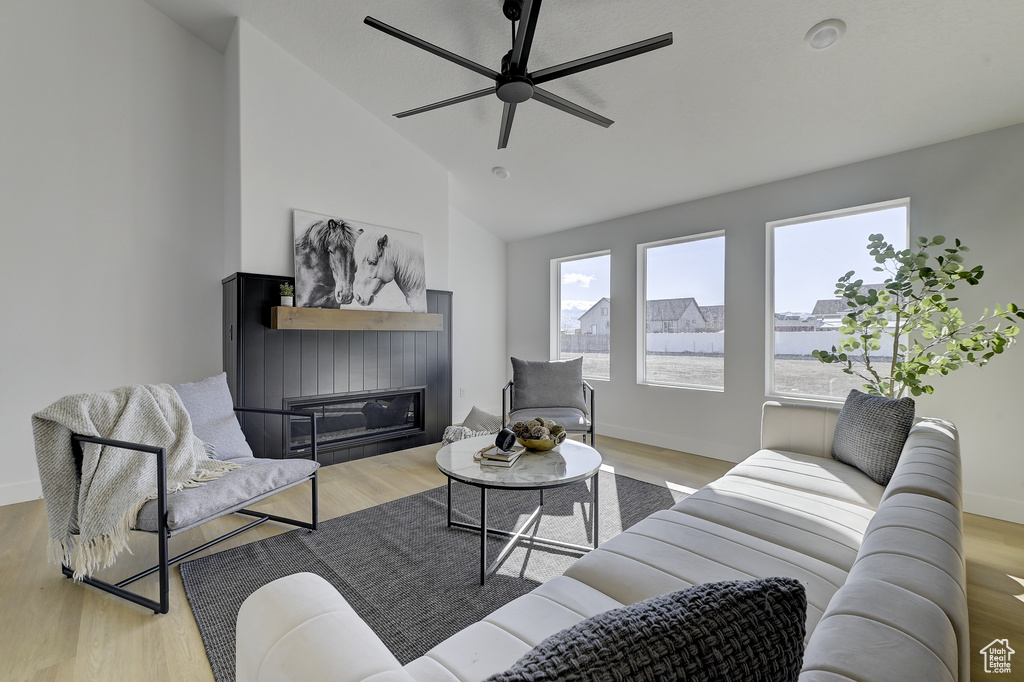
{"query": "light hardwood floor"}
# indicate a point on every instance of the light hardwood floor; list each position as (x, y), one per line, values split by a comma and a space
(52, 629)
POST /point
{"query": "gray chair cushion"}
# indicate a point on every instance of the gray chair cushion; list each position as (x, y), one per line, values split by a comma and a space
(870, 433)
(736, 630)
(255, 480)
(569, 418)
(478, 420)
(547, 384)
(208, 403)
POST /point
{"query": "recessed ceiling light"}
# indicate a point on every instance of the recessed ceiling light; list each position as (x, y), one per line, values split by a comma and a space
(500, 172)
(826, 33)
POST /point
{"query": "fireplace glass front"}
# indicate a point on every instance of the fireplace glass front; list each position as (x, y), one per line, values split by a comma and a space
(345, 419)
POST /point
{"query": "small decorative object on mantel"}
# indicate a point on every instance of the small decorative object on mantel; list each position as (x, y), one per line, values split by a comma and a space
(539, 433)
(287, 294)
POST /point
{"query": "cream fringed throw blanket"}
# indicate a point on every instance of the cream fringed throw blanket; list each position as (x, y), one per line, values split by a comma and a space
(90, 521)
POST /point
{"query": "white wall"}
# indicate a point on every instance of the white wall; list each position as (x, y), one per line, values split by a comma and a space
(478, 320)
(306, 145)
(111, 209)
(969, 188)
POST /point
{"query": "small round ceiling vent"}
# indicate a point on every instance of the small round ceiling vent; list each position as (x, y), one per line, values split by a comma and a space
(826, 33)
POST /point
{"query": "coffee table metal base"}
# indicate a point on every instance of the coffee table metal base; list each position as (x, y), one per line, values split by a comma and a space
(520, 535)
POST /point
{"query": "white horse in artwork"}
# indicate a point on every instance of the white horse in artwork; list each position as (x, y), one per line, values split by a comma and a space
(381, 258)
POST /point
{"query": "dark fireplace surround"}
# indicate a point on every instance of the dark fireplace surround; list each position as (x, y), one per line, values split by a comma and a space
(375, 391)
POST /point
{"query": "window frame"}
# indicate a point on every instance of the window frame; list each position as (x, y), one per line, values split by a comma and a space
(769, 326)
(555, 325)
(641, 308)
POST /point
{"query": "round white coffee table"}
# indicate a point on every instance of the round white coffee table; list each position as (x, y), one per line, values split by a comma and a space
(567, 463)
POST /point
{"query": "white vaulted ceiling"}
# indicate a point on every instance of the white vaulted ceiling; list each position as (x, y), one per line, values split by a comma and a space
(738, 100)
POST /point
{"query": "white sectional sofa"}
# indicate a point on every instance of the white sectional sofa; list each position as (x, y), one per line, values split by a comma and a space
(883, 569)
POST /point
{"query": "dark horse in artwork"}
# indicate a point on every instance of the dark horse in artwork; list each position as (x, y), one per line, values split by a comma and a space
(324, 265)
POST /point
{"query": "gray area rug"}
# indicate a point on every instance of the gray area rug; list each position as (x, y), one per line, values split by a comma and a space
(410, 577)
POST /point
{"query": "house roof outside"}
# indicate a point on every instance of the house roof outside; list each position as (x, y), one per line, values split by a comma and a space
(714, 315)
(668, 309)
(592, 308)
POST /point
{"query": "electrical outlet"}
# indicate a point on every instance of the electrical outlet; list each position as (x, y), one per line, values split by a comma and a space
(462, 393)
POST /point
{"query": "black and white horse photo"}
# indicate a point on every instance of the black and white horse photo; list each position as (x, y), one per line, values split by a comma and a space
(385, 256)
(324, 261)
(344, 264)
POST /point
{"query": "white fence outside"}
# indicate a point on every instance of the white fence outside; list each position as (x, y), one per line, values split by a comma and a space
(687, 342)
(786, 343)
(803, 343)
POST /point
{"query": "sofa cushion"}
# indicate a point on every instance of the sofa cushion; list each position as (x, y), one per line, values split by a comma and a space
(209, 405)
(257, 479)
(871, 431)
(751, 630)
(905, 636)
(548, 384)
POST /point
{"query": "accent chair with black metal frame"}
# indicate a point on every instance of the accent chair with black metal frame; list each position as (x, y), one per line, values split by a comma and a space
(554, 390)
(213, 420)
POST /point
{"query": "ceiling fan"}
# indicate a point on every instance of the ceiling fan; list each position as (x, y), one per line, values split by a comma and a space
(514, 84)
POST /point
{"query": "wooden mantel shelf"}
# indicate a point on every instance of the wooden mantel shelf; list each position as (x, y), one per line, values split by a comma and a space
(283, 317)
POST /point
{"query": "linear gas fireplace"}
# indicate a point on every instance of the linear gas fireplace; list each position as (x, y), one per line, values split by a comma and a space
(345, 419)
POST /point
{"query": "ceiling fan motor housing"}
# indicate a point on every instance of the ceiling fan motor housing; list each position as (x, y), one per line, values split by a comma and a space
(513, 9)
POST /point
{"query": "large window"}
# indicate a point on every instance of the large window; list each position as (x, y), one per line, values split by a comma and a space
(681, 311)
(583, 306)
(805, 258)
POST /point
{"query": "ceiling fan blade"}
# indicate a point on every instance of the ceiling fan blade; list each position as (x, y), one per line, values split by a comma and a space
(553, 100)
(433, 49)
(524, 37)
(444, 103)
(506, 124)
(600, 59)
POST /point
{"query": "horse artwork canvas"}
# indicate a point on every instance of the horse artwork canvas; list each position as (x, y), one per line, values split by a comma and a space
(351, 265)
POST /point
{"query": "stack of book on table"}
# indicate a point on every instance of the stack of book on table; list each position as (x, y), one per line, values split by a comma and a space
(495, 457)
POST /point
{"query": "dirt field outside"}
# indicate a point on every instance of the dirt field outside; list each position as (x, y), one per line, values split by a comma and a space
(796, 376)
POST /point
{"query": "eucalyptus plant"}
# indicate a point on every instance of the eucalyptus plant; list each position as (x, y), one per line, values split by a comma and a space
(910, 315)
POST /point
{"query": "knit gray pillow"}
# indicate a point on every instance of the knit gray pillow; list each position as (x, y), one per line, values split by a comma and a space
(870, 433)
(208, 403)
(558, 383)
(734, 631)
(478, 420)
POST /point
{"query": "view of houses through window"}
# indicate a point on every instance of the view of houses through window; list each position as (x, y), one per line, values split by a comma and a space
(584, 305)
(682, 311)
(808, 255)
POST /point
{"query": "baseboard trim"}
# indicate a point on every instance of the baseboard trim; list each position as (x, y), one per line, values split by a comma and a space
(25, 491)
(994, 507)
(672, 441)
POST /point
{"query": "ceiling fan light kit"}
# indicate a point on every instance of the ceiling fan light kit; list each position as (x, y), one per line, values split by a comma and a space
(515, 84)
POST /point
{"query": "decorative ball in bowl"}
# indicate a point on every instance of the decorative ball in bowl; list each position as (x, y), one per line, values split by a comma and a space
(538, 433)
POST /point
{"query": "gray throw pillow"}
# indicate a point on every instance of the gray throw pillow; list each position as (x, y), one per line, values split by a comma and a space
(558, 383)
(478, 420)
(870, 433)
(209, 405)
(734, 631)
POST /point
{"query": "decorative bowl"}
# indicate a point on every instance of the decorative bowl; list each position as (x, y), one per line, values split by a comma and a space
(532, 444)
